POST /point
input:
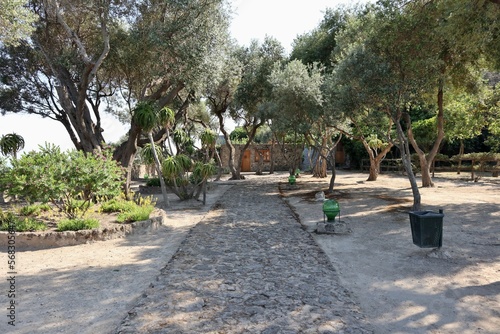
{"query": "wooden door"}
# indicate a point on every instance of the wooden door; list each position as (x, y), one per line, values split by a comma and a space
(245, 162)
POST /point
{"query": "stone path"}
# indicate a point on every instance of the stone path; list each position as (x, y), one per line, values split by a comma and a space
(249, 267)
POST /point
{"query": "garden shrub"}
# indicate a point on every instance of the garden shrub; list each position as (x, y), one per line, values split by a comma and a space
(34, 209)
(118, 205)
(77, 224)
(130, 211)
(8, 219)
(70, 180)
(153, 182)
(139, 213)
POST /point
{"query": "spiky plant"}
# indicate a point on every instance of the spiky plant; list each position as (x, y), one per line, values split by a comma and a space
(147, 116)
(11, 143)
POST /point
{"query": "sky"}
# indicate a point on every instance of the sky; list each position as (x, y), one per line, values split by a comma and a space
(252, 19)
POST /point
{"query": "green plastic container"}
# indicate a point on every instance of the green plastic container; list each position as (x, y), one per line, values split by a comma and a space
(427, 228)
(331, 209)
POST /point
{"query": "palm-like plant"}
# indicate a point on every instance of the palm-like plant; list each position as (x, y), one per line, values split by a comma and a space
(166, 118)
(148, 117)
(208, 140)
(10, 144)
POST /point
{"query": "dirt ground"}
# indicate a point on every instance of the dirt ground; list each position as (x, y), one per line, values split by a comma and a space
(400, 287)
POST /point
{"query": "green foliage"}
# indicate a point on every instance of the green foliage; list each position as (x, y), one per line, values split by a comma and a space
(16, 22)
(318, 45)
(239, 135)
(186, 177)
(3, 170)
(129, 211)
(208, 138)
(147, 154)
(77, 224)
(202, 171)
(11, 143)
(138, 213)
(355, 150)
(9, 221)
(184, 142)
(118, 205)
(34, 209)
(264, 135)
(145, 115)
(478, 156)
(153, 182)
(425, 132)
(69, 180)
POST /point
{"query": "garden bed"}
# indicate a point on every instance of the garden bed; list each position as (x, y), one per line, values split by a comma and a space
(109, 228)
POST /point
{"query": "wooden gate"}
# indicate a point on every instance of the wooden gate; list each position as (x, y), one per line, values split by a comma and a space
(245, 162)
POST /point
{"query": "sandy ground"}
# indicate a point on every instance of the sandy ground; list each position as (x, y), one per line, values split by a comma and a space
(403, 288)
(89, 288)
(400, 287)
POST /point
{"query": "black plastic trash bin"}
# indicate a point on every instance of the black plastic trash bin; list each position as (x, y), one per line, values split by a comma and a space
(427, 228)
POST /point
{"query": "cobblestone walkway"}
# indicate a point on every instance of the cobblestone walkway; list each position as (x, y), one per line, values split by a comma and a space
(248, 268)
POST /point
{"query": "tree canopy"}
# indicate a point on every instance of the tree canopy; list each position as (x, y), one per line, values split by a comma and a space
(393, 72)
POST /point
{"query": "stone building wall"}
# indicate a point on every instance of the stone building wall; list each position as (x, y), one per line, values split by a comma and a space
(140, 171)
(280, 161)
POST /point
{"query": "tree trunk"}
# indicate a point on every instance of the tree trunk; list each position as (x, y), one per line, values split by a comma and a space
(229, 145)
(425, 160)
(460, 153)
(334, 171)
(158, 170)
(273, 144)
(425, 169)
(219, 164)
(234, 172)
(321, 164)
(259, 163)
(406, 158)
(88, 135)
(125, 154)
(374, 169)
(375, 160)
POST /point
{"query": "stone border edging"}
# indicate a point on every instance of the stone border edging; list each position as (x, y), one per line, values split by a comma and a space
(44, 240)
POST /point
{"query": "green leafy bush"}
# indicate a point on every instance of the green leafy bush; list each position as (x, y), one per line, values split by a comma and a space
(77, 224)
(8, 219)
(153, 182)
(118, 205)
(130, 211)
(137, 214)
(34, 209)
(69, 180)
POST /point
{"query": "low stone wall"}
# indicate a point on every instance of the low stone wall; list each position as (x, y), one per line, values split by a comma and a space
(42, 240)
